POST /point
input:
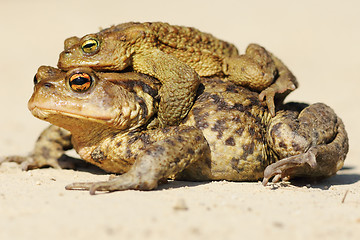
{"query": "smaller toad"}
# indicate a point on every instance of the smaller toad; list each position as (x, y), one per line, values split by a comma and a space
(177, 56)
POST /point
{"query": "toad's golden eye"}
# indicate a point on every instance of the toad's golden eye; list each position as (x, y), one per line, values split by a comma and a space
(80, 82)
(90, 46)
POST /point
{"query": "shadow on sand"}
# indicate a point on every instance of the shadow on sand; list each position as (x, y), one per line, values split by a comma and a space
(341, 178)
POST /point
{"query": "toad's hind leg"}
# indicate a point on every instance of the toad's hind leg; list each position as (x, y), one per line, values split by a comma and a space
(261, 71)
(312, 143)
(255, 69)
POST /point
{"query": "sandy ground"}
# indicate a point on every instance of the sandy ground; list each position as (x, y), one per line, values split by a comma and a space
(318, 40)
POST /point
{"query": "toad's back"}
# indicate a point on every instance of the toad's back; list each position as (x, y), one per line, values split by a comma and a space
(201, 51)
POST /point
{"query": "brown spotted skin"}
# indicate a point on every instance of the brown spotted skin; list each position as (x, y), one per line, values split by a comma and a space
(228, 134)
(231, 119)
(177, 56)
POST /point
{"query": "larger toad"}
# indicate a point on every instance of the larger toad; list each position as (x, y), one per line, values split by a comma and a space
(228, 134)
(175, 55)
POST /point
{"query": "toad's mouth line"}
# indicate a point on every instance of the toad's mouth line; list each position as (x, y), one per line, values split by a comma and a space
(45, 113)
(96, 65)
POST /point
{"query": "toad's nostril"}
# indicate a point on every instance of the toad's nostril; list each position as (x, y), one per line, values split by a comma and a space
(47, 85)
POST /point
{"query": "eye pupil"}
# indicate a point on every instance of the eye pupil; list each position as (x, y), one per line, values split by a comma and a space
(80, 82)
(90, 46)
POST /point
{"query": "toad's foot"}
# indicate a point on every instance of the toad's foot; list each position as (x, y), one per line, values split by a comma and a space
(24, 161)
(281, 87)
(120, 183)
(284, 84)
(284, 168)
(30, 162)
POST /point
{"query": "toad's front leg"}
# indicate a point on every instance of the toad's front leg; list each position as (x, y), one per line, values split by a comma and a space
(179, 83)
(158, 161)
(50, 146)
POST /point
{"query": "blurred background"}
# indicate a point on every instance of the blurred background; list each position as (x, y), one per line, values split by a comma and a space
(318, 40)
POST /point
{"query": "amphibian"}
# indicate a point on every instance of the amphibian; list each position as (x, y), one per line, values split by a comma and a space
(228, 134)
(176, 55)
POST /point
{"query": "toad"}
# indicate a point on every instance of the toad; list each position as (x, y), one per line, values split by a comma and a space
(227, 135)
(176, 56)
